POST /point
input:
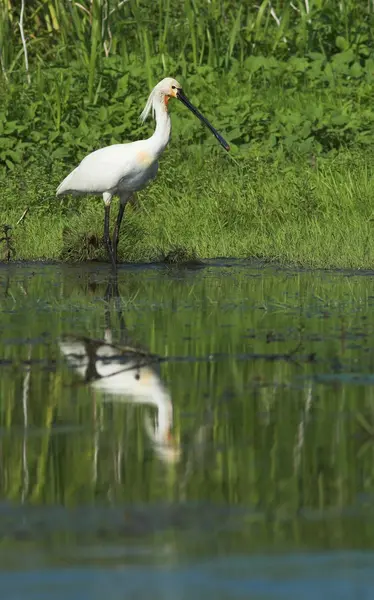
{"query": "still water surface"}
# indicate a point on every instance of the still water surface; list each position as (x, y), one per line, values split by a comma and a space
(186, 433)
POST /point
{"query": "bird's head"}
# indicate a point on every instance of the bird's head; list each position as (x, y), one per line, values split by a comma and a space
(170, 88)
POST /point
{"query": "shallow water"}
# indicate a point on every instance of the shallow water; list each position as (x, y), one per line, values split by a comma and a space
(253, 476)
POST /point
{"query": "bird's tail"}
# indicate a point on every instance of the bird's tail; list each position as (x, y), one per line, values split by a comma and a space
(65, 185)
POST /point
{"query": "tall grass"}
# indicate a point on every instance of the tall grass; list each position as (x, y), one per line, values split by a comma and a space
(308, 214)
(218, 33)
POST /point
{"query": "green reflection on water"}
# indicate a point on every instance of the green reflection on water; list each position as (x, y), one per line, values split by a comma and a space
(270, 375)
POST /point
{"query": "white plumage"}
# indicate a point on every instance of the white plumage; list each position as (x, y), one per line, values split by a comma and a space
(114, 169)
(129, 375)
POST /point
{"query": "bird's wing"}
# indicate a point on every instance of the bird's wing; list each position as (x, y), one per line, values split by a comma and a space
(102, 170)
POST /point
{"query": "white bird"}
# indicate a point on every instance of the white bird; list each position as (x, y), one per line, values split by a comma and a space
(129, 374)
(123, 169)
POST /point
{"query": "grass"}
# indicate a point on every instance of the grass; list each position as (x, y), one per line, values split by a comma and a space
(218, 33)
(317, 215)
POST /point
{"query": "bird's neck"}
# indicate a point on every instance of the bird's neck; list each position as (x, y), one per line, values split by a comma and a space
(160, 429)
(161, 136)
(164, 419)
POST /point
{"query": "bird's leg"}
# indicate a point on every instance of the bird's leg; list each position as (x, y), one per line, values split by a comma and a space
(112, 294)
(107, 240)
(122, 205)
(107, 200)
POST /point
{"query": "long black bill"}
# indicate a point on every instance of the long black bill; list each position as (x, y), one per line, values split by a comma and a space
(193, 109)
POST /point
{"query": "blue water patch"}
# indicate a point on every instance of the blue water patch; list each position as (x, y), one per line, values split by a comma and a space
(341, 575)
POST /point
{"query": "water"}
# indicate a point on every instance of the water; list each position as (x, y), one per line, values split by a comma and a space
(240, 462)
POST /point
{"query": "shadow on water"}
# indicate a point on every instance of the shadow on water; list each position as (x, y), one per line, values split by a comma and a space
(204, 431)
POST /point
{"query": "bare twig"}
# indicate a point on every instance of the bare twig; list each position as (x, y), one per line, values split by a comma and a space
(107, 43)
(119, 6)
(300, 438)
(277, 20)
(24, 41)
(23, 216)
(7, 239)
(307, 10)
(25, 400)
(274, 15)
(84, 10)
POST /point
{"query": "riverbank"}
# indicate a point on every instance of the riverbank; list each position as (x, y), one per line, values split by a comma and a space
(316, 214)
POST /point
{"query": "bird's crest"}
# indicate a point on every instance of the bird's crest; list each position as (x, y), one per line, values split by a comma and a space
(148, 107)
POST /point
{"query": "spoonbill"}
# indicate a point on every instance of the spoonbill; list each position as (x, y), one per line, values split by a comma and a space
(126, 374)
(123, 169)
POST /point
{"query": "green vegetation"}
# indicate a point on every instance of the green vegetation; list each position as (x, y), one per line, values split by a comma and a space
(288, 84)
(318, 215)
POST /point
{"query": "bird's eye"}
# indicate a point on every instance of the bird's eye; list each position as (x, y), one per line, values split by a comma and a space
(173, 87)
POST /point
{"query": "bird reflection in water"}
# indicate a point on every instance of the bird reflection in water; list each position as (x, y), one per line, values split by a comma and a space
(128, 374)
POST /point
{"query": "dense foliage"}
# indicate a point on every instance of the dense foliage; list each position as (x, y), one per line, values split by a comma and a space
(290, 77)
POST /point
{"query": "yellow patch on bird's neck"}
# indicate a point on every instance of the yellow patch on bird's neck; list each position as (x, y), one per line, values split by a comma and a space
(146, 376)
(166, 100)
(144, 158)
